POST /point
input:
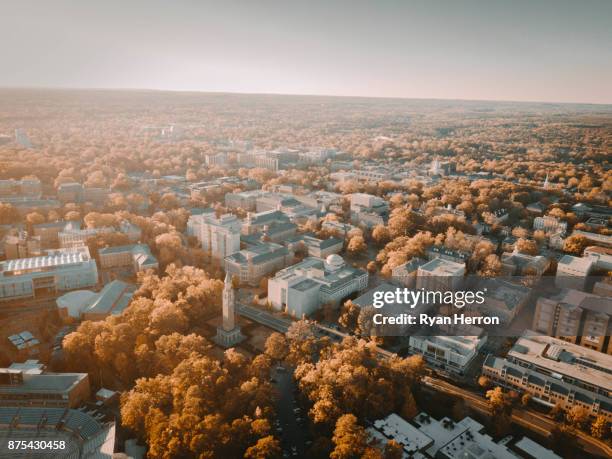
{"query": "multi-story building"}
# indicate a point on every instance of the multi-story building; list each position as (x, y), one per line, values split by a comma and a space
(427, 437)
(22, 245)
(406, 273)
(274, 223)
(69, 192)
(49, 232)
(86, 434)
(78, 237)
(28, 384)
(440, 275)
(572, 272)
(137, 256)
(133, 232)
(317, 155)
(218, 236)
(549, 224)
(25, 187)
(576, 317)
(250, 265)
(503, 299)
(245, 200)
(368, 209)
(601, 257)
(440, 251)
(555, 372)
(521, 264)
(26, 204)
(302, 288)
(602, 240)
(57, 271)
(448, 352)
(220, 159)
(338, 228)
(314, 246)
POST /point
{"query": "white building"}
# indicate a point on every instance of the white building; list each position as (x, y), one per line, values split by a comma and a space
(450, 353)
(220, 236)
(301, 289)
(59, 270)
(440, 275)
(549, 224)
(601, 256)
(368, 209)
(572, 272)
(426, 437)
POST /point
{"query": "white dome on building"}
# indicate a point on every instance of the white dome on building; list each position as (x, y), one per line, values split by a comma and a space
(334, 261)
(75, 302)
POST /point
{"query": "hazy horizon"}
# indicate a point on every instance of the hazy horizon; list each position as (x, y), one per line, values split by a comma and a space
(339, 96)
(546, 51)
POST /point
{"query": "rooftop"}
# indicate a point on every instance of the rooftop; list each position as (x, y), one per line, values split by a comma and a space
(563, 358)
(441, 267)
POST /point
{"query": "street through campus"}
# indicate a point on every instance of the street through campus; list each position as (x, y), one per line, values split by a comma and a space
(291, 425)
(529, 419)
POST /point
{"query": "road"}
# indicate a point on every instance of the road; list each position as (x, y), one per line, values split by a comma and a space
(525, 418)
(292, 432)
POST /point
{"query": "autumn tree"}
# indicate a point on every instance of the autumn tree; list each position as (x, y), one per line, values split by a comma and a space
(350, 439)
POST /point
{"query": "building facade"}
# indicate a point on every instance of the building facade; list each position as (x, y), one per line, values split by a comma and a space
(57, 271)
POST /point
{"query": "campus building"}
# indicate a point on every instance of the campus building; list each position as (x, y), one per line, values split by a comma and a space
(250, 265)
(136, 256)
(576, 317)
(554, 372)
(57, 271)
(302, 288)
(218, 236)
(29, 384)
(86, 434)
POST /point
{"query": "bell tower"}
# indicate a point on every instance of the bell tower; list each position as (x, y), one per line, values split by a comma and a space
(228, 333)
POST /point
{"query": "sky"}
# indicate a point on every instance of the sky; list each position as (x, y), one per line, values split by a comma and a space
(519, 50)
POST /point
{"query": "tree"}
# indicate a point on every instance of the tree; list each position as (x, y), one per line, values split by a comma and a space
(527, 246)
(276, 346)
(491, 266)
(348, 316)
(409, 408)
(577, 416)
(484, 382)
(393, 450)
(575, 244)
(381, 234)
(600, 427)
(265, 448)
(525, 399)
(350, 439)
(34, 218)
(356, 245)
(497, 400)
(557, 412)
